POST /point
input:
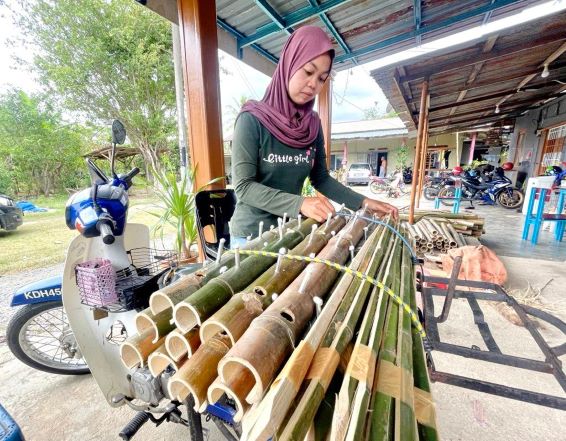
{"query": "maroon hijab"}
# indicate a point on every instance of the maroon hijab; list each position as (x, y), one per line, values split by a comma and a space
(292, 124)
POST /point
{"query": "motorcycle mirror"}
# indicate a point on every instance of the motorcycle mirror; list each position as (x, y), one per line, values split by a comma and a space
(118, 137)
(118, 132)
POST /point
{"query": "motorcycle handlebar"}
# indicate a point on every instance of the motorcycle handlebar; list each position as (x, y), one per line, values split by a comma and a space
(133, 173)
(106, 233)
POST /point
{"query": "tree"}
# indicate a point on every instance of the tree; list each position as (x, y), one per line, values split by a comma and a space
(39, 152)
(232, 110)
(105, 60)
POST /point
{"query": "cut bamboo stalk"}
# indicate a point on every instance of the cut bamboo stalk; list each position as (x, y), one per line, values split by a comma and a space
(198, 372)
(168, 296)
(271, 336)
(235, 317)
(182, 345)
(236, 386)
(135, 350)
(203, 303)
(275, 405)
(349, 416)
(159, 360)
(158, 325)
(334, 342)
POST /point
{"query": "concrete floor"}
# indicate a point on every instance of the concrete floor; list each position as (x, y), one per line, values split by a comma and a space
(71, 408)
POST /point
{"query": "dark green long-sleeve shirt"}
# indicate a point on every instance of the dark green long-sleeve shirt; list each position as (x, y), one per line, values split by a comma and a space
(268, 177)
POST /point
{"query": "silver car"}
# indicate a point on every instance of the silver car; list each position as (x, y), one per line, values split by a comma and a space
(359, 173)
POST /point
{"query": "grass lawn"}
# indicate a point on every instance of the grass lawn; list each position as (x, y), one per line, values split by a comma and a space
(43, 238)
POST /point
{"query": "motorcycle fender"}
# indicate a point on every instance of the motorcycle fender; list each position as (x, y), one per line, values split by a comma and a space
(46, 290)
(101, 355)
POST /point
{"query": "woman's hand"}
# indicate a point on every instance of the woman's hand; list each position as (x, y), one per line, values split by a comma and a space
(317, 208)
(381, 208)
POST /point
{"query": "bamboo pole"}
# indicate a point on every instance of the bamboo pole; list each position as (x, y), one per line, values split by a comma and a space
(419, 146)
(271, 336)
(199, 371)
(181, 346)
(203, 303)
(158, 325)
(424, 152)
(334, 342)
(276, 403)
(160, 359)
(135, 350)
(349, 416)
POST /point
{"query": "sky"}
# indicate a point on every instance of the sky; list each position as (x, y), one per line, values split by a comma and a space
(353, 89)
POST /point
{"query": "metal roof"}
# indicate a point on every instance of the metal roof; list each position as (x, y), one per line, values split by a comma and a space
(362, 30)
(373, 128)
(485, 82)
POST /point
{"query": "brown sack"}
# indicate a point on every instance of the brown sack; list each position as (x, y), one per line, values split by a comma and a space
(478, 263)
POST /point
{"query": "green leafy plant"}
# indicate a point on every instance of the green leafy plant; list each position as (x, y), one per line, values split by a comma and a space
(178, 198)
(308, 189)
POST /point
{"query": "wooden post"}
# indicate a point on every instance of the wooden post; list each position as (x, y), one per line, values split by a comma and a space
(199, 48)
(325, 113)
(424, 150)
(472, 148)
(418, 152)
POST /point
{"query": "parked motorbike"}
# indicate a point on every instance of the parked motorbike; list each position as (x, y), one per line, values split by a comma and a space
(407, 175)
(433, 185)
(393, 186)
(39, 334)
(494, 187)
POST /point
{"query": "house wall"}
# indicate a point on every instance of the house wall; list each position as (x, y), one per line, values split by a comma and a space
(532, 124)
(358, 149)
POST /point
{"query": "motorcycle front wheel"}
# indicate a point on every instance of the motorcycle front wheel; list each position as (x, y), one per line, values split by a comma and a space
(430, 193)
(447, 192)
(40, 336)
(510, 198)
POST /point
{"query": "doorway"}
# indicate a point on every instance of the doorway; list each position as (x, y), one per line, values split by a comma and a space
(374, 159)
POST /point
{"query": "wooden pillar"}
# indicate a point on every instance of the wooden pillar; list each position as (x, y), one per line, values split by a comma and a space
(472, 148)
(325, 113)
(424, 150)
(418, 151)
(199, 49)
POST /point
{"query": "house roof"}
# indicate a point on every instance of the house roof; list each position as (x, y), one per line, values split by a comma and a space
(362, 30)
(484, 83)
(375, 128)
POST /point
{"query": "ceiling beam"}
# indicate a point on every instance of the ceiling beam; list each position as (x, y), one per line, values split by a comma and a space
(332, 29)
(418, 17)
(483, 98)
(292, 19)
(457, 19)
(238, 36)
(273, 15)
(493, 55)
(444, 89)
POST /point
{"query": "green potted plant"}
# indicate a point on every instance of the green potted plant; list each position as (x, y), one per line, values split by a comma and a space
(178, 198)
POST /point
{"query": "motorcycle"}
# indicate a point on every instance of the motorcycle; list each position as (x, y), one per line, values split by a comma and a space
(494, 188)
(433, 185)
(407, 175)
(394, 186)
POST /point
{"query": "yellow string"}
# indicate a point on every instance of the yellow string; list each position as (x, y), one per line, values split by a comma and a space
(358, 274)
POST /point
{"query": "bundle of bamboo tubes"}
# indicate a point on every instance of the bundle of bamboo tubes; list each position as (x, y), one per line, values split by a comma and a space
(438, 231)
(271, 328)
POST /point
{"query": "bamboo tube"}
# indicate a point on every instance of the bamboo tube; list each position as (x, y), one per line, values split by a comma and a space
(135, 350)
(236, 315)
(168, 296)
(335, 341)
(271, 336)
(159, 360)
(208, 299)
(350, 412)
(457, 237)
(199, 371)
(158, 325)
(182, 345)
(274, 406)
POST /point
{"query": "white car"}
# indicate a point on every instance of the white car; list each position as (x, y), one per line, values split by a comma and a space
(359, 173)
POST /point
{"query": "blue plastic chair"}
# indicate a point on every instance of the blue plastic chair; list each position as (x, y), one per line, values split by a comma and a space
(536, 219)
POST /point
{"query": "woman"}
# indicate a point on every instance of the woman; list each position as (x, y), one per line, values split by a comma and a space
(278, 142)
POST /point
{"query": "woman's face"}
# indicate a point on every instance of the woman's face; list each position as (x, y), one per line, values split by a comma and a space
(307, 81)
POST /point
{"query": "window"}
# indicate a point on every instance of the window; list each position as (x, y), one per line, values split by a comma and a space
(552, 149)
